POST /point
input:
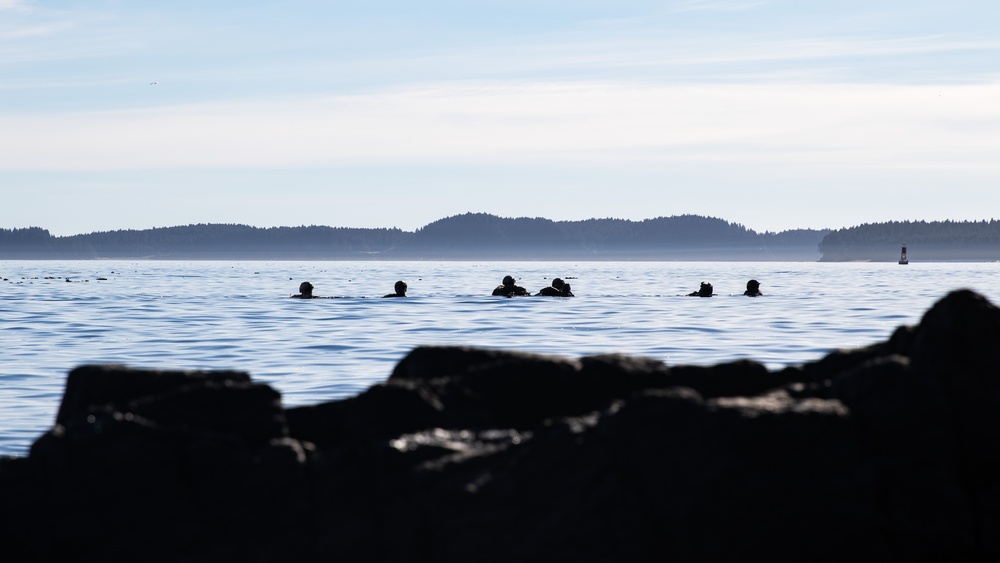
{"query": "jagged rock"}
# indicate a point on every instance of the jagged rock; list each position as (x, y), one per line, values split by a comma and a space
(891, 452)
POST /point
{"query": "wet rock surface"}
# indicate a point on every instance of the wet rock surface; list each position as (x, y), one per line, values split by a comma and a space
(891, 452)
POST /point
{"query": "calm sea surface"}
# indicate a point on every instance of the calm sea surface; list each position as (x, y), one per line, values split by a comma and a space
(237, 315)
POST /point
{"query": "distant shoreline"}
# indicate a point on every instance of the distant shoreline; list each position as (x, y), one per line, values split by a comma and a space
(507, 259)
(480, 236)
(481, 259)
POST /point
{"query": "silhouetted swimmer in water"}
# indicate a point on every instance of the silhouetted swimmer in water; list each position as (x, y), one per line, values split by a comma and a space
(559, 288)
(753, 289)
(305, 291)
(400, 288)
(704, 291)
(508, 289)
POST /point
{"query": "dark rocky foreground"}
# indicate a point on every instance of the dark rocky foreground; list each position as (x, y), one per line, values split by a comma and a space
(888, 453)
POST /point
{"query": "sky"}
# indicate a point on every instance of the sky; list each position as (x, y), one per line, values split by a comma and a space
(775, 115)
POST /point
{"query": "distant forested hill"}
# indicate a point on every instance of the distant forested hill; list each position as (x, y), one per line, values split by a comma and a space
(213, 241)
(684, 237)
(467, 237)
(936, 240)
(480, 236)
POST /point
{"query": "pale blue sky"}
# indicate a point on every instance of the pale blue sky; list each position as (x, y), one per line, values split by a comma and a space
(773, 114)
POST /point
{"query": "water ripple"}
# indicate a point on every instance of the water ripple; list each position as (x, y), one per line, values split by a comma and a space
(226, 315)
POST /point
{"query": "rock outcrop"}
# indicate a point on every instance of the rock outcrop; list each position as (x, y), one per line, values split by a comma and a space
(889, 453)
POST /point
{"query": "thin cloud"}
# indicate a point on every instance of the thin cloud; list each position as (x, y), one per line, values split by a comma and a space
(12, 5)
(718, 6)
(696, 52)
(41, 34)
(33, 31)
(648, 58)
(839, 125)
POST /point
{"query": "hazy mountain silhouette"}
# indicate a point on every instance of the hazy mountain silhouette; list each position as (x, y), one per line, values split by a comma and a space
(471, 236)
(481, 236)
(687, 237)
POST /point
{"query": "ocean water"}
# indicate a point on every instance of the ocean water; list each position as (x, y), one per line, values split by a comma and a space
(56, 315)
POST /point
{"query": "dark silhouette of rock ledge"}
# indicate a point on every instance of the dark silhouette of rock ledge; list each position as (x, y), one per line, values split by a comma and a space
(887, 453)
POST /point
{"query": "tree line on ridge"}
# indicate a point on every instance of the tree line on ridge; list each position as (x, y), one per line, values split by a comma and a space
(483, 236)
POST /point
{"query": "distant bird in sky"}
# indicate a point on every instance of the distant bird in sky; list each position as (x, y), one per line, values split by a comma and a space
(151, 83)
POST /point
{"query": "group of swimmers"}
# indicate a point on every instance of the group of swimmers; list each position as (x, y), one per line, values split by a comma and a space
(509, 288)
(306, 291)
(558, 288)
(706, 290)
